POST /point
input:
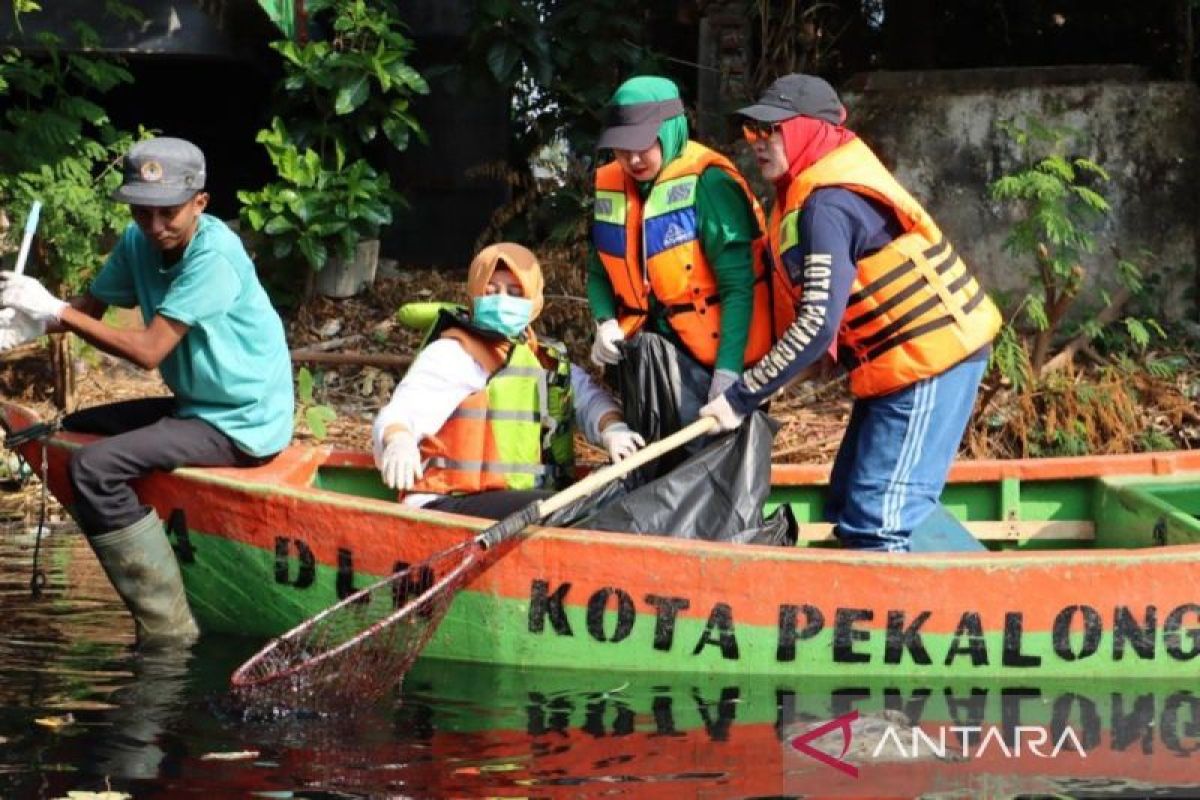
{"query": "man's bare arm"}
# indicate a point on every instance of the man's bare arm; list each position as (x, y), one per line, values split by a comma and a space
(146, 348)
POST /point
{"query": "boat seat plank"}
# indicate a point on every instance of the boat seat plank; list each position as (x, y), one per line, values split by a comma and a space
(1003, 531)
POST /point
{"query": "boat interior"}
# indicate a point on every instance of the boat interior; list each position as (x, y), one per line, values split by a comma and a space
(1108, 502)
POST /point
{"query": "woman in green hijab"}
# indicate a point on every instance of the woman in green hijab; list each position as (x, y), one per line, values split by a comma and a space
(677, 245)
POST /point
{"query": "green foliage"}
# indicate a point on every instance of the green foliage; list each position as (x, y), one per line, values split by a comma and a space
(560, 62)
(58, 145)
(338, 95)
(1154, 441)
(1066, 441)
(1167, 367)
(1060, 203)
(20, 7)
(314, 209)
(1010, 359)
(316, 416)
(355, 85)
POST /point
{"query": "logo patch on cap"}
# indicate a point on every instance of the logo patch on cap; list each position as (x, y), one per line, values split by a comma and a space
(151, 171)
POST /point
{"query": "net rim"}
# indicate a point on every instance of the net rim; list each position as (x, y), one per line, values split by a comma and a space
(242, 680)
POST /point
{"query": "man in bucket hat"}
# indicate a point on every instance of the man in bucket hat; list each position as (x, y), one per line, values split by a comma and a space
(219, 345)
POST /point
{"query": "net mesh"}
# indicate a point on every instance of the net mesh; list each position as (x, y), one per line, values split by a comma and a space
(349, 655)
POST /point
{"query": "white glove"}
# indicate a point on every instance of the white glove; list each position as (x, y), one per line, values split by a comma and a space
(722, 379)
(720, 410)
(604, 346)
(400, 463)
(17, 328)
(621, 441)
(25, 294)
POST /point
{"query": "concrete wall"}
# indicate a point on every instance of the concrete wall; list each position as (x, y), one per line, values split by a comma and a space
(938, 133)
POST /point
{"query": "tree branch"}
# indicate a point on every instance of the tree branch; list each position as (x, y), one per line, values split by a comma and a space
(1106, 315)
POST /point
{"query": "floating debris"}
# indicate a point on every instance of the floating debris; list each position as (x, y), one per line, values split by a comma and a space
(236, 755)
(56, 722)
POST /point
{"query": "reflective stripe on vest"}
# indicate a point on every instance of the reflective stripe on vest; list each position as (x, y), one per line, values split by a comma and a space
(915, 310)
(656, 247)
(478, 466)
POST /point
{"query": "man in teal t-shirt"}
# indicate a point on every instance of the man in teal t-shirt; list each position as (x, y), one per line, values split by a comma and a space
(219, 345)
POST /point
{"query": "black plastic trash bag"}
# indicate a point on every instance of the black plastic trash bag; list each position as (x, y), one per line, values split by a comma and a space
(662, 389)
(716, 495)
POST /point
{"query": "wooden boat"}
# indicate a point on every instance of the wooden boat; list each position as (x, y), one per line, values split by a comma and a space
(1091, 572)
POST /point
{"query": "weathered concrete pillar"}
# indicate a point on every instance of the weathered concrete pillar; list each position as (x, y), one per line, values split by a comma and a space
(723, 53)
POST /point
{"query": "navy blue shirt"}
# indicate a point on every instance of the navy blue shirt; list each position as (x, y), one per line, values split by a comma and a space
(837, 228)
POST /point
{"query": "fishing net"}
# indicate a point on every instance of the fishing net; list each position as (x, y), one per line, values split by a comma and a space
(353, 652)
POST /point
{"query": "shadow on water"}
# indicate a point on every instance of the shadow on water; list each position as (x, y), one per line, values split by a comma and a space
(145, 724)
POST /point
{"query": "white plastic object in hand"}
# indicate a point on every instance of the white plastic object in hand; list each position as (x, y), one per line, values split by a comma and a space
(604, 345)
(31, 223)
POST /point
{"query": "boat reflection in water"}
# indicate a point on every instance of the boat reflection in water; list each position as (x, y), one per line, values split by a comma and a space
(464, 730)
(144, 726)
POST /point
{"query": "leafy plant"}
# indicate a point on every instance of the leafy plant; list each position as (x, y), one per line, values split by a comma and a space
(1053, 409)
(339, 94)
(356, 84)
(314, 209)
(57, 144)
(1060, 204)
(560, 62)
(316, 416)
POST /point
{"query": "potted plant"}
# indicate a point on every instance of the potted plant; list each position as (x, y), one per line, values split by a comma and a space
(346, 97)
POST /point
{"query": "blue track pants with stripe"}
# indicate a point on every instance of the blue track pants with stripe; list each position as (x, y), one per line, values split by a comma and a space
(893, 460)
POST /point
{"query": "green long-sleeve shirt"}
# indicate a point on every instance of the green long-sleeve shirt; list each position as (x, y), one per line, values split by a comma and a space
(727, 230)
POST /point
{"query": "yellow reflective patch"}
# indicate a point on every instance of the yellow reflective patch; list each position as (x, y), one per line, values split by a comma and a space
(610, 207)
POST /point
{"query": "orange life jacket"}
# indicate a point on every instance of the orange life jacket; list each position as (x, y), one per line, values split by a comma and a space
(515, 433)
(914, 310)
(655, 246)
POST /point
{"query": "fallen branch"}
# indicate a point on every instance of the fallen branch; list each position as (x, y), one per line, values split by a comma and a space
(1106, 315)
(21, 351)
(310, 356)
(332, 344)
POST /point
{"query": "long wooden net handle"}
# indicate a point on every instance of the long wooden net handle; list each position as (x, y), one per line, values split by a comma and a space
(516, 522)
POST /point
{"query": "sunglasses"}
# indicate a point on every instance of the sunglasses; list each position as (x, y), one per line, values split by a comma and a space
(756, 131)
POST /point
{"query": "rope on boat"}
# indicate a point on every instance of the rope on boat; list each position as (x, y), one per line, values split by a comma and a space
(39, 431)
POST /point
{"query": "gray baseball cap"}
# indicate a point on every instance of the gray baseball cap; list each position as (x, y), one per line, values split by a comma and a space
(635, 126)
(797, 95)
(161, 172)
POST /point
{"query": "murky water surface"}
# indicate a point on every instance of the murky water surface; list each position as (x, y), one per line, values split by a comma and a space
(80, 712)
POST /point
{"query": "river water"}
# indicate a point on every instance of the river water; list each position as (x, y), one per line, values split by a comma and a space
(80, 711)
